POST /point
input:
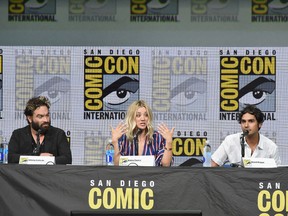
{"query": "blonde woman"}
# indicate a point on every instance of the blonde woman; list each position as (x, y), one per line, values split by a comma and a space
(138, 128)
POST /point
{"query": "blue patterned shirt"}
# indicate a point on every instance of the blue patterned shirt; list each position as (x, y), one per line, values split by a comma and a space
(151, 147)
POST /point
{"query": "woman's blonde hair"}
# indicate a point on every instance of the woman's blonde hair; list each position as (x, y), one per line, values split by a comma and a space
(130, 119)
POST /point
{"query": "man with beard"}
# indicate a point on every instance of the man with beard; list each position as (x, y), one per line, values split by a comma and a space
(39, 137)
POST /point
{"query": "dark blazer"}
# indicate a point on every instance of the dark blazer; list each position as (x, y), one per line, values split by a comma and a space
(55, 142)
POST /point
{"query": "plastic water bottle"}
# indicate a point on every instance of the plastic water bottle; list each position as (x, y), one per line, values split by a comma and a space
(207, 155)
(4, 151)
(109, 154)
(1, 153)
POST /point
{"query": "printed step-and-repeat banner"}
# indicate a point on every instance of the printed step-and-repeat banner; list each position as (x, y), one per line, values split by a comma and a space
(199, 91)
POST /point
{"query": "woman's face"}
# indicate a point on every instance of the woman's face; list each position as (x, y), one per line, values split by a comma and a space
(141, 118)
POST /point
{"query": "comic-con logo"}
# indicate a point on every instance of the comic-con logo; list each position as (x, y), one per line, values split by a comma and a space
(187, 147)
(247, 80)
(179, 85)
(214, 11)
(45, 75)
(111, 83)
(153, 11)
(32, 10)
(92, 11)
(272, 199)
(122, 194)
(269, 11)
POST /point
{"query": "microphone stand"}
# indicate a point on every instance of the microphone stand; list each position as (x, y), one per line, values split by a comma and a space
(242, 146)
(136, 141)
(37, 150)
(136, 145)
(242, 141)
(245, 133)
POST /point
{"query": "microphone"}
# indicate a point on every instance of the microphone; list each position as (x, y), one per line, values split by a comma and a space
(235, 165)
(36, 151)
(245, 133)
(138, 131)
(136, 140)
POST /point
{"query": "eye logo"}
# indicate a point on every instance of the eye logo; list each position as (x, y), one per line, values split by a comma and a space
(120, 93)
(278, 4)
(188, 92)
(54, 89)
(158, 4)
(218, 4)
(95, 4)
(154, 7)
(257, 91)
(35, 4)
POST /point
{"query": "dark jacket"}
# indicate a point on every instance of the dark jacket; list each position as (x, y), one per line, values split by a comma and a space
(55, 142)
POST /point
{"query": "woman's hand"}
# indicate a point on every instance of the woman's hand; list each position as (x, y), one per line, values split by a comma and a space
(166, 133)
(118, 132)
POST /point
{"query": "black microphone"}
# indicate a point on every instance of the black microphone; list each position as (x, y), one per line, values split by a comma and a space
(245, 133)
(136, 140)
(235, 165)
(36, 151)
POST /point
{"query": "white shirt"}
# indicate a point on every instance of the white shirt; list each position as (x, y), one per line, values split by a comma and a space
(230, 149)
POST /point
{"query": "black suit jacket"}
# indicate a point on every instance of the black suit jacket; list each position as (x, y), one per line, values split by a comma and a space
(55, 142)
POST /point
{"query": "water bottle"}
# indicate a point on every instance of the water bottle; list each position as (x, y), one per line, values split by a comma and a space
(1, 153)
(4, 151)
(207, 155)
(109, 154)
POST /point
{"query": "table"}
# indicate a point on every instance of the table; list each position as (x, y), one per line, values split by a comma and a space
(60, 189)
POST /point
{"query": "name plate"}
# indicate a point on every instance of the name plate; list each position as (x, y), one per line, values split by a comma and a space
(137, 160)
(259, 163)
(37, 160)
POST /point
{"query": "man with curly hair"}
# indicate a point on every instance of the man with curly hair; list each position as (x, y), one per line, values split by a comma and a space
(39, 137)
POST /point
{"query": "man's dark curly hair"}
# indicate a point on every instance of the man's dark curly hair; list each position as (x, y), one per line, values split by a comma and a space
(35, 103)
(253, 110)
